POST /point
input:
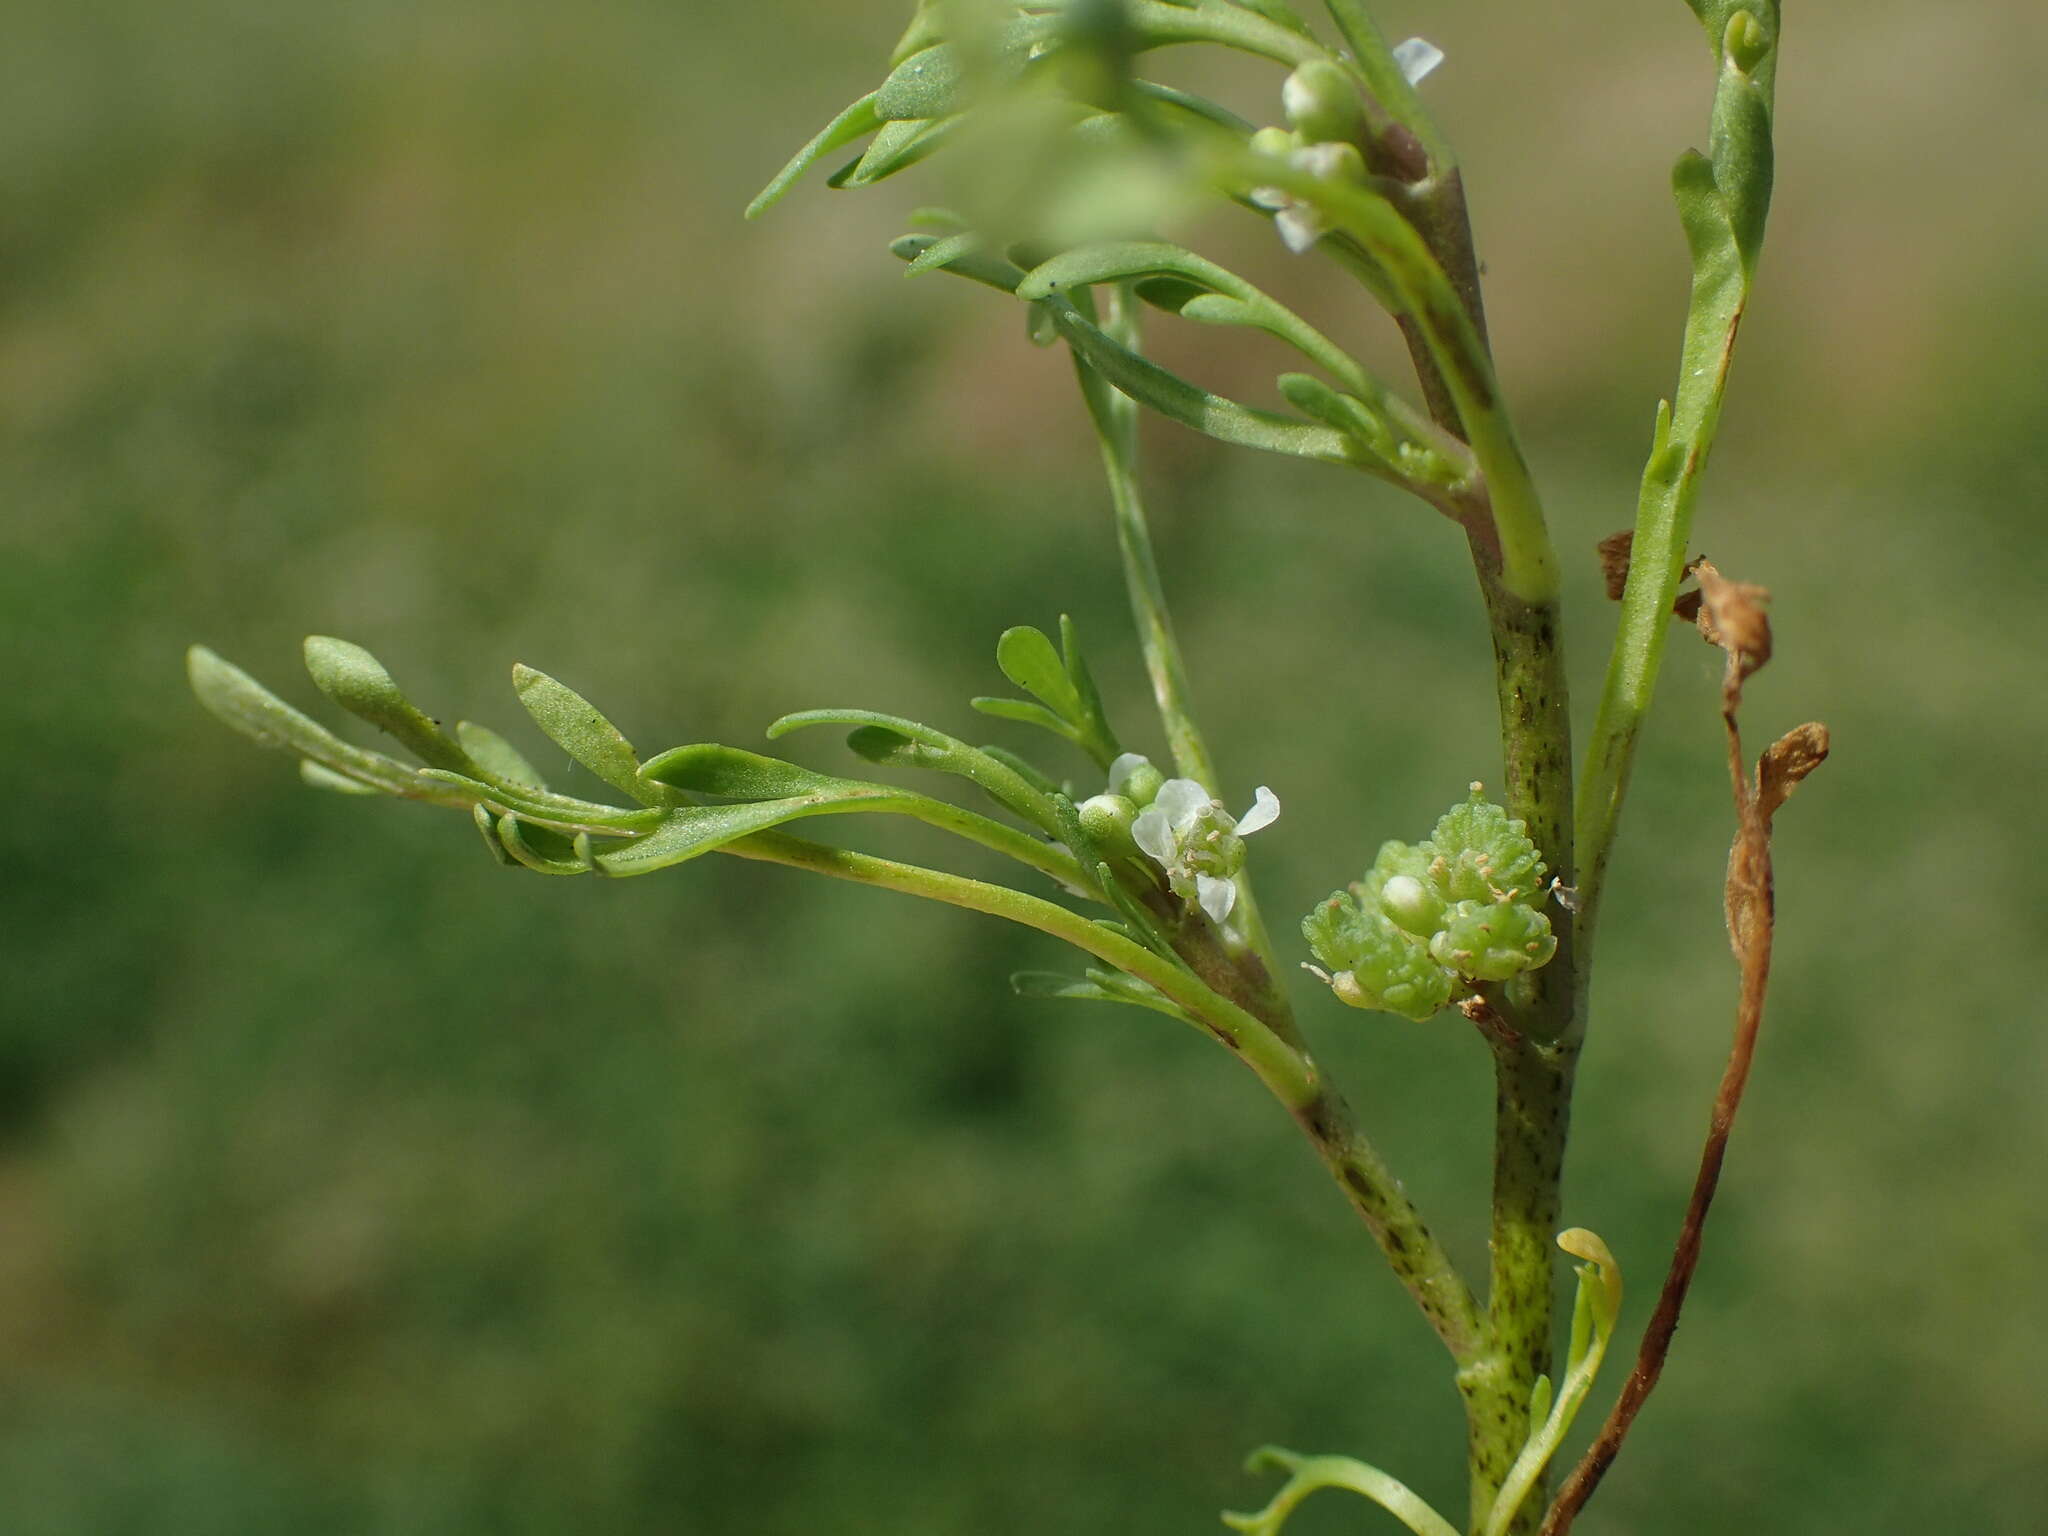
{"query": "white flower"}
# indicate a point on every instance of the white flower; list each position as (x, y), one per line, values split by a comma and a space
(1198, 843)
(1417, 57)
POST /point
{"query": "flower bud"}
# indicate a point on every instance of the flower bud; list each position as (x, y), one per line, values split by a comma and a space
(1134, 777)
(1107, 819)
(1321, 101)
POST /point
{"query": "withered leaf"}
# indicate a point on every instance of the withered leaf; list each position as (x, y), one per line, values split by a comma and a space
(1614, 552)
(1788, 760)
(1732, 617)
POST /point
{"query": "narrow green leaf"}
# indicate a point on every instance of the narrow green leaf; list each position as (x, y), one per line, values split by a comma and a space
(1025, 714)
(1101, 739)
(708, 768)
(897, 147)
(239, 701)
(964, 261)
(1195, 106)
(564, 813)
(1179, 400)
(497, 756)
(1095, 988)
(359, 683)
(943, 253)
(711, 769)
(318, 777)
(576, 725)
(948, 754)
(541, 849)
(1026, 770)
(1028, 659)
(487, 828)
(856, 120)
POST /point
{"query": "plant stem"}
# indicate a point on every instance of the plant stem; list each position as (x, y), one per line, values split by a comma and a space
(1115, 415)
(1290, 1074)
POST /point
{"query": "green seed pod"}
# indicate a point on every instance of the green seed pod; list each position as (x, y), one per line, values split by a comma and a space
(1491, 941)
(1485, 854)
(1412, 904)
(1376, 965)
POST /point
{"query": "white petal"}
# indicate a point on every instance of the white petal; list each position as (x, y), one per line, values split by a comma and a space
(1322, 161)
(1121, 770)
(1264, 812)
(1299, 228)
(1217, 896)
(1417, 57)
(1264, 197)
(1182, 800)
(1154, 833)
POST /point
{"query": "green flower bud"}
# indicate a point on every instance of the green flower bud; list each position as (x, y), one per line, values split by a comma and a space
(1321, 101)
(1275, 141)
(1134, 777)
(1107, 819)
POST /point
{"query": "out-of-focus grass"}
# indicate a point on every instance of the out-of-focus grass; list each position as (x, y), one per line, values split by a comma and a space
(353, 1184)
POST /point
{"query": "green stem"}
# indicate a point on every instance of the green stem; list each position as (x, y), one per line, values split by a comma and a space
(1723, 198)
(1290, 1074)
(1115, 415)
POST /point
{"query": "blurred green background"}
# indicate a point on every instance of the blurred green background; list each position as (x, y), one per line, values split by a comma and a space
(350, 1183)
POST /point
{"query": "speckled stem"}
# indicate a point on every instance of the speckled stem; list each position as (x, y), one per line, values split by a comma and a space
(1533, 1059)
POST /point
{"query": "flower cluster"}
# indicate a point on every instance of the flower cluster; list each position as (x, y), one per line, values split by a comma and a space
(1182, 828)
(1431, 922)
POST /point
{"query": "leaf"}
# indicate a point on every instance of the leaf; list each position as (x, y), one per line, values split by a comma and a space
(487, 828)
(1732, 617)
(898, 146)
(1025, 713)
(1029, 660)
(576, 725)
(497, 756)
(936, 750)
(855, 121)
(543, 850)
(245, 705)
(359, 683)
(943, 253)
(1179, 400)
(319, 777)
(1097, 987)
(710, 769)
(965, 261)
(1786, 763)
(562, 812)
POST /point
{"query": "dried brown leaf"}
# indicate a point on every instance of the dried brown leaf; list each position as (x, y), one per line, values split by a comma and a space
(1614, 552)
(1732, 617)
(1789, 760)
